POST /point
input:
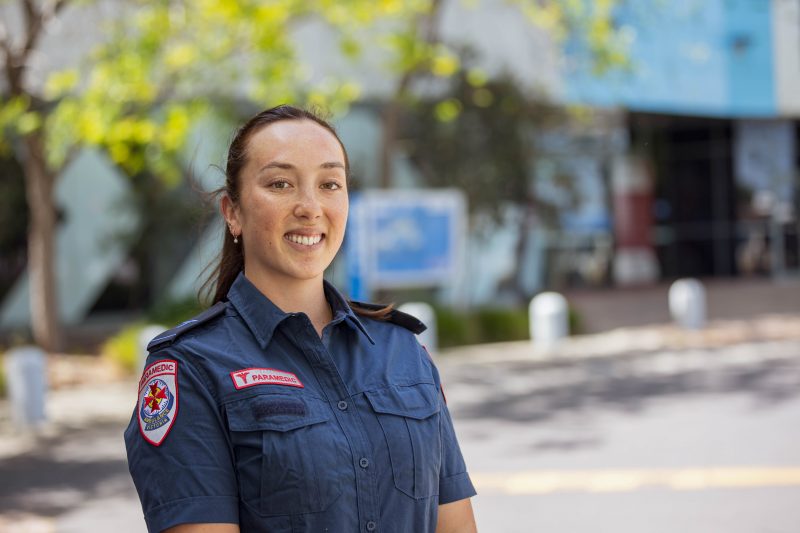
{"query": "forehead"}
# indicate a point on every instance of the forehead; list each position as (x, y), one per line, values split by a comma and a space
(294, 141)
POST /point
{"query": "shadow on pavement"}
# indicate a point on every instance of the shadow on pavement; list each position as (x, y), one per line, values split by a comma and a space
(606, 385)
(63, 472)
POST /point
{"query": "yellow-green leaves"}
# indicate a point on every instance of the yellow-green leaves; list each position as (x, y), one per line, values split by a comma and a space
(588, 23)
(444, 63)
(60, 83)
(447, 110)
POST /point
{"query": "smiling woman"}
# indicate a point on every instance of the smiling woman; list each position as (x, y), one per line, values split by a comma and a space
(299, 410)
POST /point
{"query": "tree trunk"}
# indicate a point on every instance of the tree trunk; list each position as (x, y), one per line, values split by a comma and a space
(429, 26)
(390, 118)
(39, 185)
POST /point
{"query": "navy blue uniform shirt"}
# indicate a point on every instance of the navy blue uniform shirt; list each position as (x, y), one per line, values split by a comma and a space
(246, 415)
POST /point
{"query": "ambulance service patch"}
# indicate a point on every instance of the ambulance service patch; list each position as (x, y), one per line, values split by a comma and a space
(249, 377)
(158, 400)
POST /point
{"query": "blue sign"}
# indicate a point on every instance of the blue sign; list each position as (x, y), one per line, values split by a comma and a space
(405, 238)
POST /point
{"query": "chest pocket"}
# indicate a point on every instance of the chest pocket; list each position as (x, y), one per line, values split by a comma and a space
(409, 417)
(287, 450)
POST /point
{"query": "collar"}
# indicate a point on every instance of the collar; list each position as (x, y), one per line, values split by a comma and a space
(342, 310)
(262, 316)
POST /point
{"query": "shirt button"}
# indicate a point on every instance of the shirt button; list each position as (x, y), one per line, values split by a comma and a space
(364, 462)
(342, 405)
(371, 526)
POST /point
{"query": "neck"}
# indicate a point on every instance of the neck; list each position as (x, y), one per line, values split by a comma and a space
(298, 296)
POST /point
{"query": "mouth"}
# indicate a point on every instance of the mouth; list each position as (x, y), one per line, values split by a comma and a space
(305, 240)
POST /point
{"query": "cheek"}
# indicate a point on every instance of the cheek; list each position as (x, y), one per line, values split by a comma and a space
(340, 212)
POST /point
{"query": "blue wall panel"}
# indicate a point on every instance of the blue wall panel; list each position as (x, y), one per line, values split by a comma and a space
(700, 57)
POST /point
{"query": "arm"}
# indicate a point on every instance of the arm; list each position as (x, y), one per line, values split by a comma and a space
(183, 470)
(204, 528)
(456, 517)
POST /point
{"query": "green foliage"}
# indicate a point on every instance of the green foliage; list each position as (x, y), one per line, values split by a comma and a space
(172, 313)
(166, 61)
(454, 328)
(458, 328)
(587, 24)
(123, 348)
(489, 324)
(481, 137)
(499, 325)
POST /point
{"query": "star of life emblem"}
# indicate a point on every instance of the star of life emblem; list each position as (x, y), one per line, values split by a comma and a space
(158, 400)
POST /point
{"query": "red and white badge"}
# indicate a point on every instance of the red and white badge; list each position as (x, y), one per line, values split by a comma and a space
(249, 377)
(158, 400)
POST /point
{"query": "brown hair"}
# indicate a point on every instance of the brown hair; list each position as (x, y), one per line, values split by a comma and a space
(231, 258)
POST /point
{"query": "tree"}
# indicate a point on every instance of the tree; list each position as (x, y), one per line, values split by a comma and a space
(488, 148)
(162, 63)
(419, 52)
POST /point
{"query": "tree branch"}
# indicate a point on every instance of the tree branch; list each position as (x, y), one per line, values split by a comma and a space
(29, 10)
(37, 20)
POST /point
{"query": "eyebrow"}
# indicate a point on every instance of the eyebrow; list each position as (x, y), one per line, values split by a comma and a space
(289, 166)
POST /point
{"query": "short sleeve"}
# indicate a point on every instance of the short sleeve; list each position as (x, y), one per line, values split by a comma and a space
(183, 469)
(454, 481)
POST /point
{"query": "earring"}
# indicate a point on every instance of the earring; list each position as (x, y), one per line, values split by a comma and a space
(235, 239)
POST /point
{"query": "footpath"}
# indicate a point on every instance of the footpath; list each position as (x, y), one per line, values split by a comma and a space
(71, 474)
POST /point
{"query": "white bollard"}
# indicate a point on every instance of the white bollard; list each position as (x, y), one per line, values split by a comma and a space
(548, 315)
(424, 313)
(148, 333)
(687, 303)
(26, 377)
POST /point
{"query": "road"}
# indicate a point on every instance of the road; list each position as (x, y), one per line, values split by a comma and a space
(695, 440)
(699, 441)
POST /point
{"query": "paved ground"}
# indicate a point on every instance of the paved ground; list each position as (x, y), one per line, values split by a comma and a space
(642, 429)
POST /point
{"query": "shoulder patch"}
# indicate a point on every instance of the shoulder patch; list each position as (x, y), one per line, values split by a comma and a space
(169, 336)
(400, 318)
(158, 400)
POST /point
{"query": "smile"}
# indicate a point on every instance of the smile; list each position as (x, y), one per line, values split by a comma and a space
(305, 240)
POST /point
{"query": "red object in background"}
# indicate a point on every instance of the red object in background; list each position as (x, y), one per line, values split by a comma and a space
(633, 219)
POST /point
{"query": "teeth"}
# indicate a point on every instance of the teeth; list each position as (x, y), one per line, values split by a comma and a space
(304, 239)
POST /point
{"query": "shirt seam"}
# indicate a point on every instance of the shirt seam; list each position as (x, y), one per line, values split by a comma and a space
(160, 506)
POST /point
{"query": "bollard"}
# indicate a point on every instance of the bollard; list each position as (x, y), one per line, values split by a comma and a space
(687, 303)
(548, 315)
(26, 374)
(424, 313)
(148, 333)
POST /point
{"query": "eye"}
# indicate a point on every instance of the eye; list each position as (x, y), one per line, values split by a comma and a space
(279, 184)
(331, 185)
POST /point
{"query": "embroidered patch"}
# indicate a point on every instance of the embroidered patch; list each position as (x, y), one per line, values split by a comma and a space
(249, 377)
(158, 400)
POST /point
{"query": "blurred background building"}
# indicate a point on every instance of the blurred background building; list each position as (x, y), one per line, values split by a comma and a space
(681, 162)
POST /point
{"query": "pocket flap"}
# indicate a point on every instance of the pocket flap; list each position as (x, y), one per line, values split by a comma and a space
(413, 401)
(275, 412)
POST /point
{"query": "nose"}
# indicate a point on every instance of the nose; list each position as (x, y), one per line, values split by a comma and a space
(308, 205)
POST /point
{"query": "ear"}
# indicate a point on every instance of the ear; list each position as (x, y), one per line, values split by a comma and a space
(231, 213)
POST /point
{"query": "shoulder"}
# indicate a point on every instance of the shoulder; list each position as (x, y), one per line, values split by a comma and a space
(169, 337)
(395, 317)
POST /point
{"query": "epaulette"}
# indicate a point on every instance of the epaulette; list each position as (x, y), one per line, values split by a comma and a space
(400, 318)
(169, 336)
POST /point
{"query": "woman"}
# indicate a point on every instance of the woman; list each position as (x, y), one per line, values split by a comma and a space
(283, 407)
